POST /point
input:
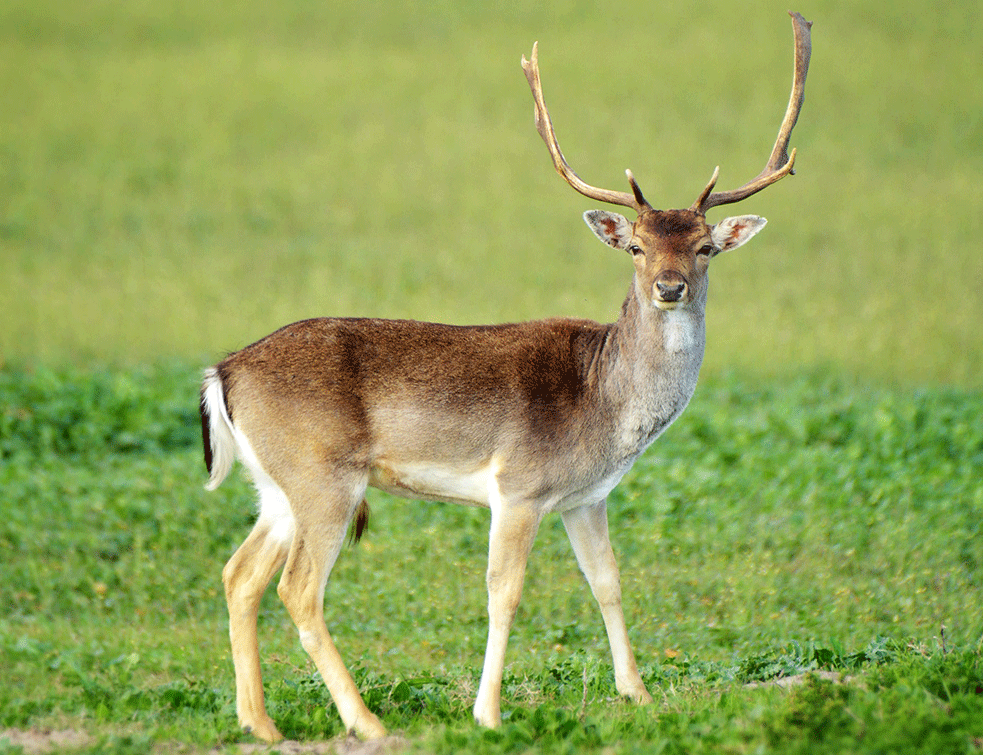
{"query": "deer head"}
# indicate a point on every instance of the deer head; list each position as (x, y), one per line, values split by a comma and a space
(671, 249)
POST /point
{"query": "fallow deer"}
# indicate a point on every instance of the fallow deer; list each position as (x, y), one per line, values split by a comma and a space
(525, 419)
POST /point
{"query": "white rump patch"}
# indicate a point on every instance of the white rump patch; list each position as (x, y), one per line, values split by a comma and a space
(227, 441)
(274, 507)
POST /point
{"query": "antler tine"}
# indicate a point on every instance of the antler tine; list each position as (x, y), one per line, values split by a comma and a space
(780, 162)
(544, 125)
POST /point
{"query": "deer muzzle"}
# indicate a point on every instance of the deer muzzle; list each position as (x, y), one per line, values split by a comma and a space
(670, 290)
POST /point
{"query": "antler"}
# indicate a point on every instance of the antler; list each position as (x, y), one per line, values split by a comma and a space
(780, 162)
(544, 126)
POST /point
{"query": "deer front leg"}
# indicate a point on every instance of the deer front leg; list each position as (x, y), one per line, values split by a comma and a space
(513, 530)
(587, 528)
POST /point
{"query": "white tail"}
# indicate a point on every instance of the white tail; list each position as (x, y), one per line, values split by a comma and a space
(525, 419)
(220, 444)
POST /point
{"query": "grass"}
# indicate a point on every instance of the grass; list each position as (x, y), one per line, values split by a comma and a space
(775, 530)
(179, 178)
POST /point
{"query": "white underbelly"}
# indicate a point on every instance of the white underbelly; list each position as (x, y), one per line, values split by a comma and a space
(436, 482)
(479, 485)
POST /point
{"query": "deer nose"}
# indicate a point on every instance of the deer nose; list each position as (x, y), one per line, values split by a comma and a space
(670, 287)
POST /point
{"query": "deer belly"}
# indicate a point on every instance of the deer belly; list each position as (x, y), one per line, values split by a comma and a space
(478, 485)
(435, 482)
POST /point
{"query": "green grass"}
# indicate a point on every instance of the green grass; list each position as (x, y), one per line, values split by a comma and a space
(180, 178)
(775, 530)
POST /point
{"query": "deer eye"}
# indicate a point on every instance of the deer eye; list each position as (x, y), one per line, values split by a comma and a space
(706, 249)
(635, 249)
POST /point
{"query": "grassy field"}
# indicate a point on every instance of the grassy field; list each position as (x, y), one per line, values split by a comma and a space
(179, 178)
(778, 530)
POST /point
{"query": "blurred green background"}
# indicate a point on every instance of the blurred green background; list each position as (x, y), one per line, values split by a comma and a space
(179, 178)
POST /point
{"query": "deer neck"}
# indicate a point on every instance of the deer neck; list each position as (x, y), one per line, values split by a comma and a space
(651, 365)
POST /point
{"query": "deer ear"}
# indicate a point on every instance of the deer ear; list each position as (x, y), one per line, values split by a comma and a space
(611, 228)
(730, 233)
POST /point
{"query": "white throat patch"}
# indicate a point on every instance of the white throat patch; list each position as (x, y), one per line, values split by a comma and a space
(678, 331)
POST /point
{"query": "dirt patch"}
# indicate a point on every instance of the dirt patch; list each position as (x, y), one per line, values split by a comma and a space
(786, 682)
(346, 746)
(43, 742)
(38, 742)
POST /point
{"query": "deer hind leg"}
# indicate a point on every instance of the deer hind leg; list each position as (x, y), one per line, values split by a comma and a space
(323, 511)
(587, 527)
(513, 530)
(246, 576)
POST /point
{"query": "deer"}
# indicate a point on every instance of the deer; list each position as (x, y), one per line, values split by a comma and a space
(525, 419)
